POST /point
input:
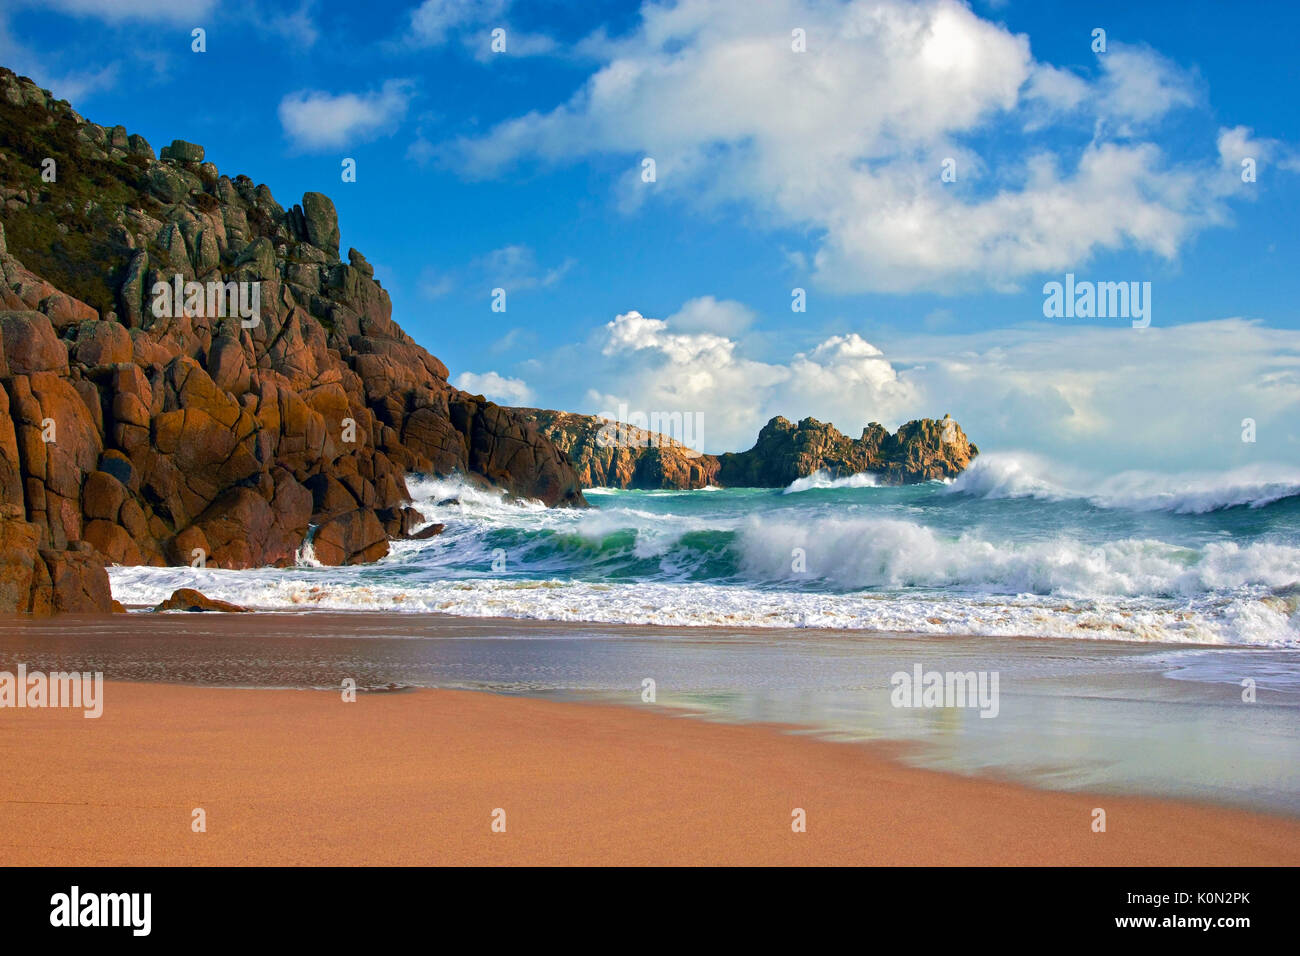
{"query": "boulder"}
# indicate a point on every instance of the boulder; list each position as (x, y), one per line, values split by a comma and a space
(102, 496)
(30, 344)
(355, 537)
(102, 343)
(182, 152)
(322, 222)
(78, 583)
(428, 531)
(188, 599)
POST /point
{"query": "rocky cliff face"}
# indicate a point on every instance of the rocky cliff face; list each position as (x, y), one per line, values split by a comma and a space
(139, 428)
(633, 458)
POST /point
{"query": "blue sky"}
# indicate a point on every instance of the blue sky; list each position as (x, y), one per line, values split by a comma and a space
(775, 170)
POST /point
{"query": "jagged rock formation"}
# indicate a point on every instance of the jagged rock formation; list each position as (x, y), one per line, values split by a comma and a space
(137, 430)
(919, 451)
(606, 455)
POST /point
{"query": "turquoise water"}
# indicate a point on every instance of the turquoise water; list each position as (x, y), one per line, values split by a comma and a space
(1002, 550)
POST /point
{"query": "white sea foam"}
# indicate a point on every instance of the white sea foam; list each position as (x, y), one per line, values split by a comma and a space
(1014, 475)
(888, 574)
(822, 479)
(889, 560)
(893, 553)
(1236, 621)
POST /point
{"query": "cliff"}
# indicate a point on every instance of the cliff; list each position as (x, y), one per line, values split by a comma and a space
(634, 458)
(222, 424)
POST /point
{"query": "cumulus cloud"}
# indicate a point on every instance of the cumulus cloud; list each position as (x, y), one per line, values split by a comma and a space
(846, 140)
(707, 314)
(314, 119)
(651, 367)
(505, 391)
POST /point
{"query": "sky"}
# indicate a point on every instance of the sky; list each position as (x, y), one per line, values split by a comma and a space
(914, 174)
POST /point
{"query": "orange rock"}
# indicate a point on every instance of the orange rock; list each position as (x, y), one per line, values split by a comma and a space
(187, 599)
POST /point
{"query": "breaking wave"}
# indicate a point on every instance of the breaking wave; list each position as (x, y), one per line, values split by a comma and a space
(822, 479)
(929, 559)
(1024, 476)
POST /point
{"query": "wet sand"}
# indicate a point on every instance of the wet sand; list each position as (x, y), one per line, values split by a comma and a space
(414, 777)
(1127, 719)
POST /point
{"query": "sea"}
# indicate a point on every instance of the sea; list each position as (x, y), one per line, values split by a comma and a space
(1002, 550)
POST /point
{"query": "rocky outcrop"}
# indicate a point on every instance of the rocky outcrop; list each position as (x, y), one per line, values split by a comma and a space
(39, 580)
(607, 455)
(919, 451)
(272, 399)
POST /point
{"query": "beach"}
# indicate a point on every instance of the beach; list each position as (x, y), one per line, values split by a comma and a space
(293, 777)
(414, 776)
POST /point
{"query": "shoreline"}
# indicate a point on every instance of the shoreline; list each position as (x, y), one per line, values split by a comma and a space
(136, 611)
(414, 777)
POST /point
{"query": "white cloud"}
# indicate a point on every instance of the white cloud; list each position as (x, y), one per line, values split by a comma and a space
(707, 314)
(1112, 398)
(506, 391)
(433, 20)
(434, 285)
(515, 267)
(297, 26)
(1140, 85)
(173, 11)
(513, 339)
(651, 368)
(846, 139)
(1240, 142)
(313, 119)
(1104, 397)
(72, 85)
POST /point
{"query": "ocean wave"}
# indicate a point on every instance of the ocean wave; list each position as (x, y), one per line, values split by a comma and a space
(892, 553)
(1240, 621)
(913, 559)
(822, 479)
(1008, 475)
